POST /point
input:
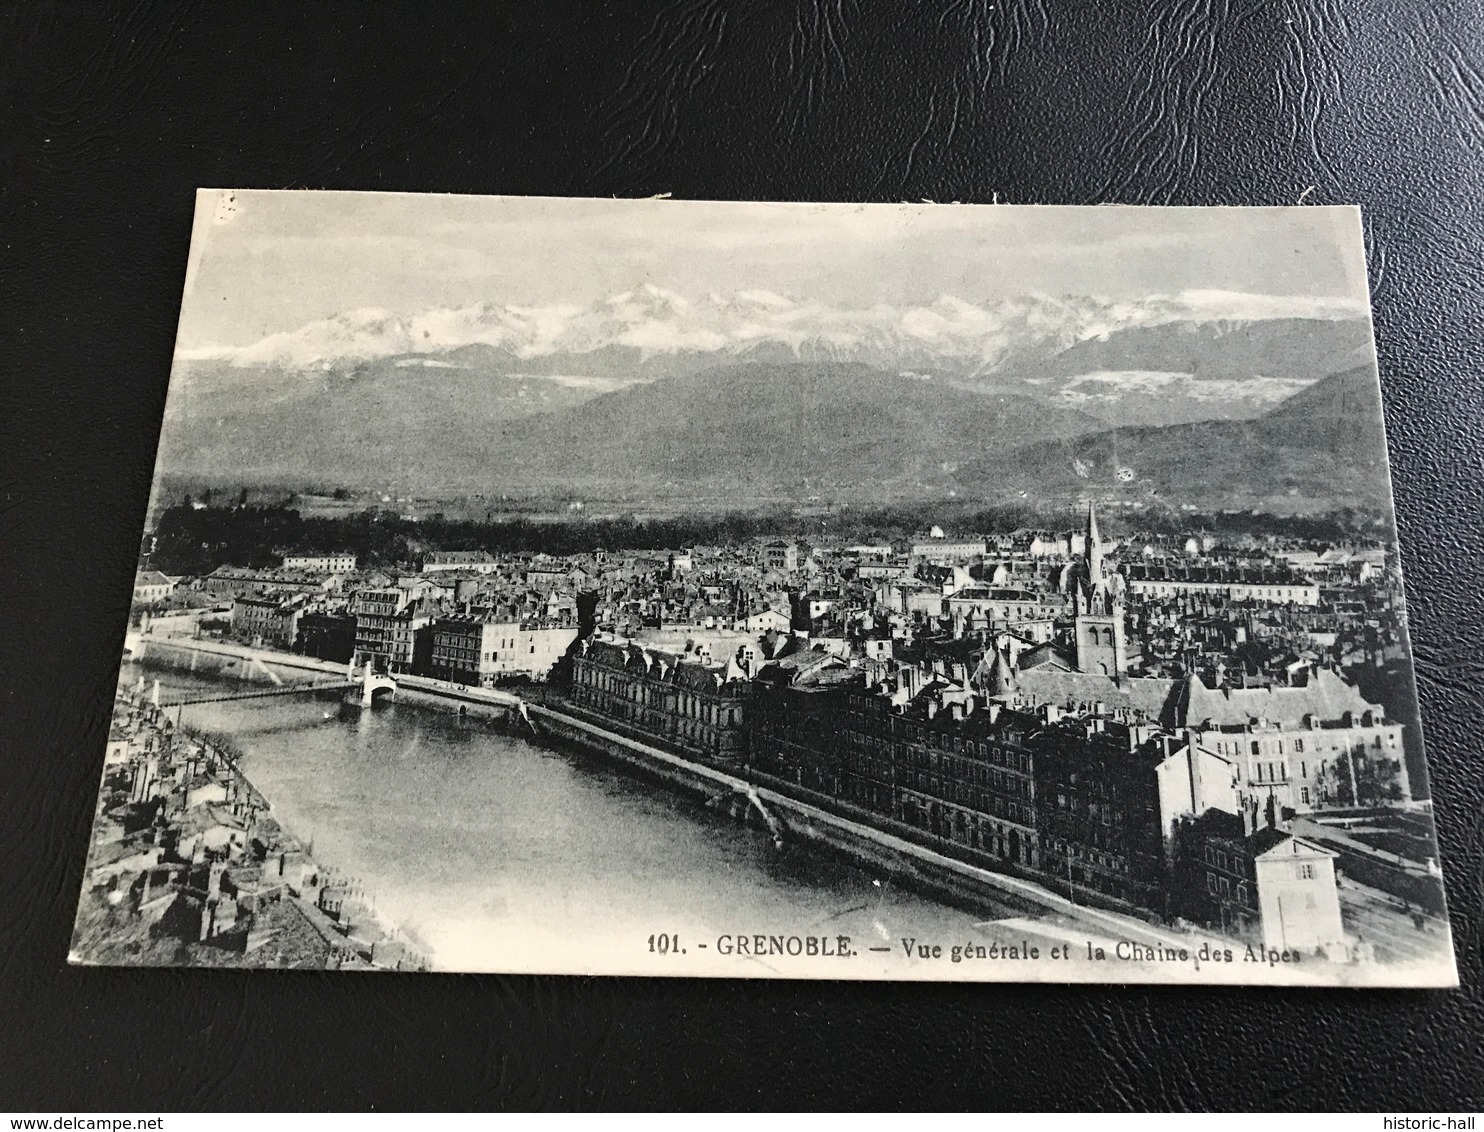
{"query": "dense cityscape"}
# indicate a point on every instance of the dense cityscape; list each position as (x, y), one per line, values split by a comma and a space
(1199, 730)
(757, 572)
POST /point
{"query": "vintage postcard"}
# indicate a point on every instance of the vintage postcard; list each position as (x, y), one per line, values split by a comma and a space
(770, 590)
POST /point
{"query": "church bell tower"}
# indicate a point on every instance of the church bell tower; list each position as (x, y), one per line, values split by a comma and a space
(1101, 645)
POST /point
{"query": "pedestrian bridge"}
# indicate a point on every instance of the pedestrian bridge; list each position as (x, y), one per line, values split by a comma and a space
(257, 693)
(373, 686)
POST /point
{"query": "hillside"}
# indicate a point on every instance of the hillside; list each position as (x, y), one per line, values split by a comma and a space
(772, 427)
(1179, 372)
(1324, 445)
(1161, 360)
(764, 395)
(380, 421)
(1287, 347)
(836, 427)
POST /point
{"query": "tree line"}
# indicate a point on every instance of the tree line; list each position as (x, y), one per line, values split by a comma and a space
(190, 539)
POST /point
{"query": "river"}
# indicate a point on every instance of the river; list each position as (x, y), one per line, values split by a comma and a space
(495, 854)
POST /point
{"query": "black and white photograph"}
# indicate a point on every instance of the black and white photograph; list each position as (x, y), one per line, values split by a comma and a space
(938, 592)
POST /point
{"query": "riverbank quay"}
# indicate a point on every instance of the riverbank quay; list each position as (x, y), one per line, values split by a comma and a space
(443, 695)
(900, 862)
(189, 866)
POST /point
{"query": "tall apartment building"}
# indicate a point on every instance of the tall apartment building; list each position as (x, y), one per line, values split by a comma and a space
(1307, 746)
(391, 630)
(782, 557)
(697, 708)
(269, 622)
(479, 651)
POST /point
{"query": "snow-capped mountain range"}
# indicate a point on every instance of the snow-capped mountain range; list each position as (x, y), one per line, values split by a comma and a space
(970, 337)
(758, 388)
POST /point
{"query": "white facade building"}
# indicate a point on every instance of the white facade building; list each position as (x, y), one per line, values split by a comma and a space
(1296, 895)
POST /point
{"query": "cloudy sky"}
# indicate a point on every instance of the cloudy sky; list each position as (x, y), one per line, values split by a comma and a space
(265, 262)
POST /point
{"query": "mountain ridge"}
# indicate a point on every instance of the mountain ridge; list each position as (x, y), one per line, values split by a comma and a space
(828, 425)
(757, 392)
(838, 430)
(656, 321)
(1326, 442)
(750, 424)
(1167, 372)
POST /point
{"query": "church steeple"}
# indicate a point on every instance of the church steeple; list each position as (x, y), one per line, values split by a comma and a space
(1099, 624)
(1093, 549)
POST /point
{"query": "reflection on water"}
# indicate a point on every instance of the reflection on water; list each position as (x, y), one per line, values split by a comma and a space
(495, 854)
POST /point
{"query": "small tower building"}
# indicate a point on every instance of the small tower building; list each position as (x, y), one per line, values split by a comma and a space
(1099, 621)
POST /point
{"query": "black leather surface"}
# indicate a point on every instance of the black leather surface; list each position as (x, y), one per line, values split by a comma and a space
(112, 116)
